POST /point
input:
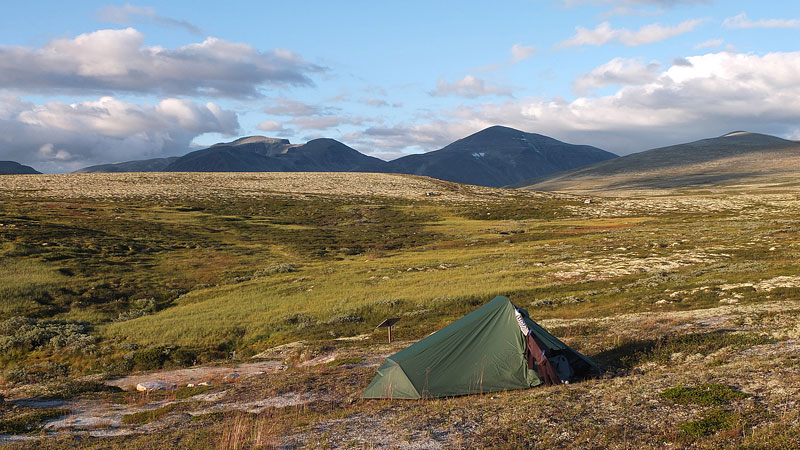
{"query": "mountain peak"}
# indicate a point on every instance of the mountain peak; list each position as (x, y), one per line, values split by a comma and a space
(736, 133)
(253, 140)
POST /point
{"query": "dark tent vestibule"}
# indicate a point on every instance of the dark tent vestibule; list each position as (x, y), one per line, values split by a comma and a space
(482, 352)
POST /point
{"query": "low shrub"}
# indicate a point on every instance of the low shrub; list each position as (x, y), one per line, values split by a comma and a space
(145, 417)
(25, 423)
(28, 334)
(343, 361)
(71, 389)
(711, 422)
(710, 394)
(152, 358)
(36, 373)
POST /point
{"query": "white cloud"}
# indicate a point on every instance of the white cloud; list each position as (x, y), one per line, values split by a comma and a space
(469, 87)
(711, 95)
(711, 43)
(626, 3)
(377, 102)
(127, 14)
(62, 137)
(628, 11)
(742, 21)
(324, 122)
(117, 61)
(270, 125)
(618, 71)
(275, 127)
(521, 52)
(604, 33)
(293, 108)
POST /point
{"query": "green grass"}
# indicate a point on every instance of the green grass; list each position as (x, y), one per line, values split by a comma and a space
(710, 394)
(632, 353)
(30, 421)
(343, 361)
(145, 417)
(26, 286)
(712, 421)
(214, 274)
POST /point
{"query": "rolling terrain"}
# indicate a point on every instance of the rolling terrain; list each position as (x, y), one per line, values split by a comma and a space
(688, 301)
(724, 162)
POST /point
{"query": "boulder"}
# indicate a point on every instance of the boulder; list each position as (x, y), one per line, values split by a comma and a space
(147, 386)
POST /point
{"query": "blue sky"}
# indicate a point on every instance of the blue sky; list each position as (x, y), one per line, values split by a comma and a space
(108, 82)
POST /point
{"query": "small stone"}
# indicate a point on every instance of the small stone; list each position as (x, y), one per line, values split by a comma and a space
(231, 376)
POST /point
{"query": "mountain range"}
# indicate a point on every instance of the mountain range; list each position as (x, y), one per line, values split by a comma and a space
(496, 156)
(735, 158)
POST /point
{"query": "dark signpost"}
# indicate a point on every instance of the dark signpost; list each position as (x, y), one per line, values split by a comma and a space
(389, 323)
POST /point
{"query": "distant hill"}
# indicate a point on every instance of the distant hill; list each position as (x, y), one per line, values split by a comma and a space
(733, 158)
(496, 156)
(15, 168)
(144, 165)
(262, 154)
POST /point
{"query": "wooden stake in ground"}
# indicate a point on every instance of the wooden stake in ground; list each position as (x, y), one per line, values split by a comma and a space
(389, 323)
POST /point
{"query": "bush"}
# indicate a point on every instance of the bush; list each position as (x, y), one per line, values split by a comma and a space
(183, 356)
(28, 334)
(151, 358)
(71, 389)
(37, 373)
(275, 269)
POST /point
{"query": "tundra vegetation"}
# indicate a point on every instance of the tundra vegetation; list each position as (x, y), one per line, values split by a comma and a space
(687, 298)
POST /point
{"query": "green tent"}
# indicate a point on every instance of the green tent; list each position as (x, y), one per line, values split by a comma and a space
(482, 352)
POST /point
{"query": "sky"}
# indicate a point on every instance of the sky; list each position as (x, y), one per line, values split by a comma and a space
(101, 82)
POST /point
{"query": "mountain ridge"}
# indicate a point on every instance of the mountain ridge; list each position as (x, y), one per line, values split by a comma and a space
(15, 168)
(724, 159)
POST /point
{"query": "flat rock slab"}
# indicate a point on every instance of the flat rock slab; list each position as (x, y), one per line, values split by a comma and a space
(197, 375)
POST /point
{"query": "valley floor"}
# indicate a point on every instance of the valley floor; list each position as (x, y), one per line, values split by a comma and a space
(688, 300)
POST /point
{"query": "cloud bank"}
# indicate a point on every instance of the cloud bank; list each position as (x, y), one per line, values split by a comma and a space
(107, 61)
(648, 34)
(742, 21)
(127, 14)
(696, 97)
(58, 137)
(469, 87)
